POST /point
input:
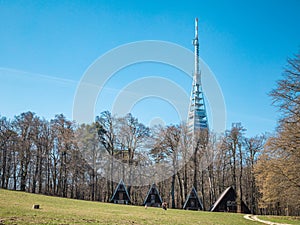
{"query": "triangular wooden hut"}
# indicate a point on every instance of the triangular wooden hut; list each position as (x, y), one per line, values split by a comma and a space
(193, 202)
(227, 202)
(153, 197)
(121, 195)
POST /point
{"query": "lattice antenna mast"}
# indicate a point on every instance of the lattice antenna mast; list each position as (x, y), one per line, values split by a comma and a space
(196, 52)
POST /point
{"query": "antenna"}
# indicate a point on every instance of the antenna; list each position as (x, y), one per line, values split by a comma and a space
(196, 52)
(196, 28)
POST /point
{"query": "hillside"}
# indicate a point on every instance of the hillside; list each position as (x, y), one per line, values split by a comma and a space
(16, 208)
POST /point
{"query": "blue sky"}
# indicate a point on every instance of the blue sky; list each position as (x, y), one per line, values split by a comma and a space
(45, 48)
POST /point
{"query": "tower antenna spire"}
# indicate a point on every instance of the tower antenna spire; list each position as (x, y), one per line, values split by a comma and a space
(196, 28)
(196, 52)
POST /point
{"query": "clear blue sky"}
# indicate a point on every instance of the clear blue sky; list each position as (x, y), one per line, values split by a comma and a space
(45, 48)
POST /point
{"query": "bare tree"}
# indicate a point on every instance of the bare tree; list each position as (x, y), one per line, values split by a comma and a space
(166, 148)
(132, 136)
(233, 142)
(106, 126)
(184, 176)
(200, 143)
(8, 140)
(64, 143)
(253, 147)
(286, 96)
(90, 149)
(24, 124)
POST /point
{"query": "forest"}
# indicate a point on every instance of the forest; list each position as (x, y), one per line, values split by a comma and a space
(85, 161)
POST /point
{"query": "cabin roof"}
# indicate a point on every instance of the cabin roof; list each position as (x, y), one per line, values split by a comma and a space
(153, 186)
(186, 201)
(220, 198)
(117, 188)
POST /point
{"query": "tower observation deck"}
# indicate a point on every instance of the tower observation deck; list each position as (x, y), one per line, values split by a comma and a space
(197, 117)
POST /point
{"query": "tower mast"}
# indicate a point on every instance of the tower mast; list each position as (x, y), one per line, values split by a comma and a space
(197, 118)
(196, 51)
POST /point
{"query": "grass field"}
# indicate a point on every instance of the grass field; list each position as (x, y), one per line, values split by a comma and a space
(16, 208)
(282, 219)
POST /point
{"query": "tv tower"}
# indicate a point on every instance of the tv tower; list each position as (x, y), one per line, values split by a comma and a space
(197, 118)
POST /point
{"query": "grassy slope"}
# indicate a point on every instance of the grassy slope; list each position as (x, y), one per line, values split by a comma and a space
(16, 208)
(282, 219)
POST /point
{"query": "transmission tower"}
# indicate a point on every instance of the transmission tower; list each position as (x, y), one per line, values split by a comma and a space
(197, 117)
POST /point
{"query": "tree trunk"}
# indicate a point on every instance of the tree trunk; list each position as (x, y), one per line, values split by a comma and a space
(173, 191)
(240, 192)
(202, 189)
(3, 167)
(36, 172)
(40, 173)
(180, 188)
(195, 160)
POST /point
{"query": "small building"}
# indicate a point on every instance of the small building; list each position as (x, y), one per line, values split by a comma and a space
(227, 202)
(153, 197)
(193, 202)
(121, 195)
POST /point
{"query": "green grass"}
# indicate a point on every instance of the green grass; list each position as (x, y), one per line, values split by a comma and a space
(16, 208)
(282, 219)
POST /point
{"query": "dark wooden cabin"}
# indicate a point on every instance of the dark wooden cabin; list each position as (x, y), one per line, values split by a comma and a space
(153, 197)
(121, 195)
(193, 202)
(227, 202)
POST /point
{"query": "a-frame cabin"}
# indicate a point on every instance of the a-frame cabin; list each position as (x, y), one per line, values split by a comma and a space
(120, 195)
(153, 197)
(227, 202)
(193, 202)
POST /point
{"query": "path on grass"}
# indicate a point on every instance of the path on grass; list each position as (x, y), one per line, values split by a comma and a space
(254, 218)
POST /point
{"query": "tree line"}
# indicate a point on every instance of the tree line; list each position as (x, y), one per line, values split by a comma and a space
(278, 176)
(58, 157)
(84, 161)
